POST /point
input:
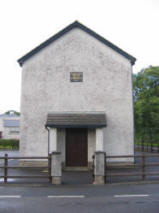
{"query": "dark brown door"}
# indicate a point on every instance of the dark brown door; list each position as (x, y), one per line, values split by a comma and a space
(76, 147)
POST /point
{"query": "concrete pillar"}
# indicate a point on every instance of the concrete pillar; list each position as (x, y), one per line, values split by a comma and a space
(99, 168)
(99, 139)
(56, 167)
(53, 140)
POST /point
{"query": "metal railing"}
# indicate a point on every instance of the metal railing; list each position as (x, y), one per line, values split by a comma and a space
(6, 167)
(93, 167)
(142, 165)
(147, 148)
(121, 169)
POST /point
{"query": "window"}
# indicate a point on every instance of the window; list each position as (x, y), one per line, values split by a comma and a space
(14, 131)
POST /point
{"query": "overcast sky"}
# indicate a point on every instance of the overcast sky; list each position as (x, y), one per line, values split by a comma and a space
(133, 25)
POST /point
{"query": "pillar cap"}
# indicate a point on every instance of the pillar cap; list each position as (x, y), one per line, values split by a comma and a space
(56, 153)
(100, 152)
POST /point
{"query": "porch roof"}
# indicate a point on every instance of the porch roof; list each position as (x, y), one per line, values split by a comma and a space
(76, 120)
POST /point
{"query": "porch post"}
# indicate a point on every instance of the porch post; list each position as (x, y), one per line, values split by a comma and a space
(53, 140)
(99, 139)
(99, 161)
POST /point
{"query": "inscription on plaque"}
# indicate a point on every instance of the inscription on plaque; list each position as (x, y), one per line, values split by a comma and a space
(76, 76)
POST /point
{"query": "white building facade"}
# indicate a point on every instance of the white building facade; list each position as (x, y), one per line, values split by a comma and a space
(10, 125)
(76, 98)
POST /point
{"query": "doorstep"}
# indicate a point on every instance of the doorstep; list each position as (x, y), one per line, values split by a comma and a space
(73, 168)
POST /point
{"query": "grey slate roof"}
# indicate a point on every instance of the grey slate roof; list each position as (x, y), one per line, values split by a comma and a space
(7, 115)
(11, 123)
(76, 120)
(75, 24)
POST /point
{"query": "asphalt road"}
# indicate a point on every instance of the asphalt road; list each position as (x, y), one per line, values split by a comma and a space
(84, 198)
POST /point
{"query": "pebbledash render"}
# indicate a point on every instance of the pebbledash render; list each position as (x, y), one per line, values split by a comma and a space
(76, 98)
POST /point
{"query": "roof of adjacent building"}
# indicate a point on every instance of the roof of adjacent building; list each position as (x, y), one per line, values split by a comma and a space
(76, 120)
(11, 123)
(11, 113)
(76, 24)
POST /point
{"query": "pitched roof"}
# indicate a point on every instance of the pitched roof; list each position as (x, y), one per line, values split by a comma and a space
(11, 123)
(76, 120)
(75, 24)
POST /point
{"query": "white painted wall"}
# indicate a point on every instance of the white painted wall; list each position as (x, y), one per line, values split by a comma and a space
(8, 132)
(106, 86)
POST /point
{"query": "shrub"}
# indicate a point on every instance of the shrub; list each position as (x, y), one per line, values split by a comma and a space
(9, 144)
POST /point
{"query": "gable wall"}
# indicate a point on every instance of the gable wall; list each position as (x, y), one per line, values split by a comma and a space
(106, 87)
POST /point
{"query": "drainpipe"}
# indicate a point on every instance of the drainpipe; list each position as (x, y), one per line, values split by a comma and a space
(48, 129)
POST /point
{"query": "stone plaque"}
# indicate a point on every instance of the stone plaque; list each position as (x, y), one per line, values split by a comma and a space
(76, 76)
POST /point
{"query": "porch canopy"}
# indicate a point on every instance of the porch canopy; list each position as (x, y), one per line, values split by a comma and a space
(76, 120)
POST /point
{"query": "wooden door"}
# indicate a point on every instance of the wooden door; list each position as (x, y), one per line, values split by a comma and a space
(76, 147)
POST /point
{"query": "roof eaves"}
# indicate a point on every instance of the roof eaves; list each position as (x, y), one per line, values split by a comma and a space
(67, 29)
(46, 43)
(108, 43)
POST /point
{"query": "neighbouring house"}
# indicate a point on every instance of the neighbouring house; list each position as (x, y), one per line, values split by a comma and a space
(10, 125)
(76, 98)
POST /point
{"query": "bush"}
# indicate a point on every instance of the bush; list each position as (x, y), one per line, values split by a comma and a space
(9, 144)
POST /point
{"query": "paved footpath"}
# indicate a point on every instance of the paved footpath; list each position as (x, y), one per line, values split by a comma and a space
(80, 198)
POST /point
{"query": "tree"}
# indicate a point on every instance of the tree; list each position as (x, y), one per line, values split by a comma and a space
(10, 111)
(146, 104)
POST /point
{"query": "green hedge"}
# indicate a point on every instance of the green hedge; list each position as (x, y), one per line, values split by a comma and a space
(9, 144)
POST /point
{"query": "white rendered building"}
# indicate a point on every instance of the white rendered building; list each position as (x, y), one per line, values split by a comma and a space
(77, 87)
